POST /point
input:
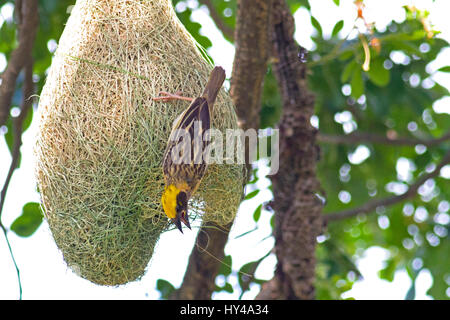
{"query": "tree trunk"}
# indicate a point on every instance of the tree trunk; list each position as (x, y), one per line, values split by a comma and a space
(297, 208)
(249, 69)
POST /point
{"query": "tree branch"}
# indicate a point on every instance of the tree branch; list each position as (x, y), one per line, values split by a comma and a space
(28, 19)
(226, 30)
(27, 90)
(297, 210)
(249, 69)
(372, 205)
(363, 137)
(204, 262)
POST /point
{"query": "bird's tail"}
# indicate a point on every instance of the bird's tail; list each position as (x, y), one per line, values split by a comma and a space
(216, 79)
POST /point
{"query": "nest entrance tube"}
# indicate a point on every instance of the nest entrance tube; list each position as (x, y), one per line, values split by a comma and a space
(101, 137)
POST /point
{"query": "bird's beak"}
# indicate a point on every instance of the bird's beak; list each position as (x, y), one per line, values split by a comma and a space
(177, 222)
(181, 218)
(184, 218)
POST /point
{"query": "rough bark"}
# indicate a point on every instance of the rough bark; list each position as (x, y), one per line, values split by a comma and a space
(250, 62)
(297, 209)
(249, 68)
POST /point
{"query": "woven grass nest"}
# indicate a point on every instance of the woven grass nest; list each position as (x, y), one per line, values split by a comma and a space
(101, 137)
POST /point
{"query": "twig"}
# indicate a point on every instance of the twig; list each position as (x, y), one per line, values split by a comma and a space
(223, 27)
(27, 91)
(361, 137)
(336, 52)
(372, 205)
(28, 21)
(28, 18)
(5, 232)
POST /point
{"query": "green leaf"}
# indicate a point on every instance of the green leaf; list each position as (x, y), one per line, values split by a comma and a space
(245, 274)
(254, 177)
(336, 2)
(316, 25)
(228, 288)
(348, 71)
(338, 27)
(27, 121)
(29, 221)
(251, 194)
(257, 213)
(377, 73)
(345, 55)
(357, 84)
(225, 266)
(165, 287)
(444, 69)
(389, 270)
(296, 4)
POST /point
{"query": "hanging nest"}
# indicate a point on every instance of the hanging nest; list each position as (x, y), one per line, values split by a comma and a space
(101, 137)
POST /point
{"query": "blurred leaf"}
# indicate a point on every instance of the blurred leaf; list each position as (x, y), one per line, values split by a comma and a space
(348, 70)
(246, 274)
(396, 98)
(338, 27)
(193, 27)
(388, 272)
(315, 23)
(28, 222)
(336, 2)
(246, 232)
(251, 194)
(165, 287)
(254, 180)
(227, 288)
(357, 83)
(296, 4)
(8, 36)
(27, 121)
(225, 266)
(377, 73)
(444, 69)
(257, 213)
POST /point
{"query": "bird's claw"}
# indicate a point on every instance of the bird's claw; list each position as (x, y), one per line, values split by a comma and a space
(167, 96)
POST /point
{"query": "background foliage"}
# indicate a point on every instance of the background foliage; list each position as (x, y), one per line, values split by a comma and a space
(393, 98)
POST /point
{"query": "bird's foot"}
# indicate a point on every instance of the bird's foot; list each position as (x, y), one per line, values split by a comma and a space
(166, 96)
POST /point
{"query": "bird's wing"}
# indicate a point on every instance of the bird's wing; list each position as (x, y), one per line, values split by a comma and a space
(192, 123)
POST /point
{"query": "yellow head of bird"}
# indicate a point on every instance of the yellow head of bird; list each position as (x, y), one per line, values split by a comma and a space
(174, 203)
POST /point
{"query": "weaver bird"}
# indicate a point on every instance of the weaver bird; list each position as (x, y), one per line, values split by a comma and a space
(183, 178)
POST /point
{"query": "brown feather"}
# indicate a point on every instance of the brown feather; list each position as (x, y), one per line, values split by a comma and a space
(187, 176)
(212, 88)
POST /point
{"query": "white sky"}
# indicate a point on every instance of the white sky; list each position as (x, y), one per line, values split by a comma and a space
(44, 274)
